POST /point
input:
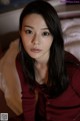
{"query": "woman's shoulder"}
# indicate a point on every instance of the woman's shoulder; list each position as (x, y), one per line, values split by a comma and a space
(73, 70)
(72, 63)
(24, 85)
(18, 62)
(71, 59)
(19, 67)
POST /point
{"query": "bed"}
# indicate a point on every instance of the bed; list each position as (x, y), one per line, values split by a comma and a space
(9, 81)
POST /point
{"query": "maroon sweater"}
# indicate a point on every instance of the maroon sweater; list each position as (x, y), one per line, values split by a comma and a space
(66, 107)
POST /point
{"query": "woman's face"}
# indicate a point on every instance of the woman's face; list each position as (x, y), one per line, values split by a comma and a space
(36, 37)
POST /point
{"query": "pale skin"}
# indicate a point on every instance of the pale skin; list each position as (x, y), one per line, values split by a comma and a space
(37, 40)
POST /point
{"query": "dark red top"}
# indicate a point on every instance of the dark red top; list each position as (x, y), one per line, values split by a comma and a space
(66, 107)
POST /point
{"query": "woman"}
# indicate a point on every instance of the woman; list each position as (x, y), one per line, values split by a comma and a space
(50, 81)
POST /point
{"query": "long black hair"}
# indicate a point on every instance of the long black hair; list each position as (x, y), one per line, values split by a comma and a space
(57, 77)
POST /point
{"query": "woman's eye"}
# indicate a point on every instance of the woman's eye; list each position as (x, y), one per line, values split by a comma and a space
(28, 31)
(45, 33)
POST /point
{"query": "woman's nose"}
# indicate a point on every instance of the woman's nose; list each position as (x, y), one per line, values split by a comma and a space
(36, 39)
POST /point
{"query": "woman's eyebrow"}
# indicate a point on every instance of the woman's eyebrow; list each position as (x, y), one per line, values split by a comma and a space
(33, 27)
(28, 26)
(44, 28)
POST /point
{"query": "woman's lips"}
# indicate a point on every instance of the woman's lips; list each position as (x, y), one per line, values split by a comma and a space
(36, 50)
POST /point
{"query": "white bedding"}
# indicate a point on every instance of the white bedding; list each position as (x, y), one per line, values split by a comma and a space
(9, 81)
(71, 31)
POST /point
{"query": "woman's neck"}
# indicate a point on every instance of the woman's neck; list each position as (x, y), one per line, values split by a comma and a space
(41, 73)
